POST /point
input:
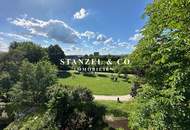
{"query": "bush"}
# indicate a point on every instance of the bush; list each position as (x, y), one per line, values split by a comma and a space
(89, 74)
(74, 109)
(102, 75)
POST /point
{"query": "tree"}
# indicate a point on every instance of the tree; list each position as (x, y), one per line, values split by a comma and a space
(55, 53)
(32, 52)
(74, 109)
(164, 55)
(34, 79)
(9, 75)
(10, 62)
(5, 82)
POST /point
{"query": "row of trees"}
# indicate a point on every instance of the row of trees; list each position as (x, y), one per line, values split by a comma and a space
(33, 53)
(163, 55)
(11, 62)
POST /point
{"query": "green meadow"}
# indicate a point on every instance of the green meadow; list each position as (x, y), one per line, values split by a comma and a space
(99, 84)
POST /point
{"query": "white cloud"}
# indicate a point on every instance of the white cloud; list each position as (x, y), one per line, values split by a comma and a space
(73, 49)
(109, 41)
(53, 29)
(88, 34)
(81, 14)
(3, 47)
(105, 49)
(13, 37)
(137, 30)
(57, 30)
(123, 44)
(1, 38)
(95, 43)
(24, 15)
(101, 38)
(6, 38)
(136, 37)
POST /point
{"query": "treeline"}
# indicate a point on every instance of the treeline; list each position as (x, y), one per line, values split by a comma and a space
(28, 83)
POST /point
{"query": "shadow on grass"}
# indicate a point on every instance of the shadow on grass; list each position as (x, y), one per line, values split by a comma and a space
(123, 124)
(118, 123)
(102, 75)
(118, 113)
(89, 75)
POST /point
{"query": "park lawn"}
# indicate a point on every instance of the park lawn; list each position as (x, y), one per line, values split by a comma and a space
(99, 85)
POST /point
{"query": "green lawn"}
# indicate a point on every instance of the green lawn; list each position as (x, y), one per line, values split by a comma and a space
(99, 85)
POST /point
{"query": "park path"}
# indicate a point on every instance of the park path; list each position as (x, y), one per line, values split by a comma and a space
(123, 98)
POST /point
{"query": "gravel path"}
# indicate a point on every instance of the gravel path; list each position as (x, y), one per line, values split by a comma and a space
(113, 98)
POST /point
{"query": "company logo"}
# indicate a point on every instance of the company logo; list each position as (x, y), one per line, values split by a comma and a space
(93, 64)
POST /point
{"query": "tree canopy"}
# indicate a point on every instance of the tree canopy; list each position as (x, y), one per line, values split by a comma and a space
(55, 54)
(28, 83)
(164, 55)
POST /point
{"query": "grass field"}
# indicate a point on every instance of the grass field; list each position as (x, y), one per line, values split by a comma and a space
(99, 85)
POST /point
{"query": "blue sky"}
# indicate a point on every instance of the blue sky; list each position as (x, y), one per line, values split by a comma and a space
(78, 26)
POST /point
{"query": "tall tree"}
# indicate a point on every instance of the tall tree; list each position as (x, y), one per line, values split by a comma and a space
(164, 54)
(31, 51)
(5, 82)
(55, 53)
(34, 79)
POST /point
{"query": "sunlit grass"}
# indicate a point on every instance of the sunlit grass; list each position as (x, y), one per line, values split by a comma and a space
(100, 85)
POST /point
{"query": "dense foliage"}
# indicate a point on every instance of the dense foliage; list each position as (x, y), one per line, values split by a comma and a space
(29, 50)
(74, 109)
(55, 53)
(164, 56)
(28, 87)
(34, 79)
(71, 109)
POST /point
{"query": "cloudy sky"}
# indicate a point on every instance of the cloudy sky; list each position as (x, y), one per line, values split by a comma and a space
(78, 26)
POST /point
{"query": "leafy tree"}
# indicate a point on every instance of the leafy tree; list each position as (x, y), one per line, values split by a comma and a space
(13, 56)
(29, 50)
(34, 79)
(10, 62)
(164, 55)
(74, 109)
(9, 75)
(14, 45)
(5, 82)
(55, 53)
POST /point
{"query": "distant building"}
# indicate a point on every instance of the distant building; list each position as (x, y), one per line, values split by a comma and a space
(96, 54)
